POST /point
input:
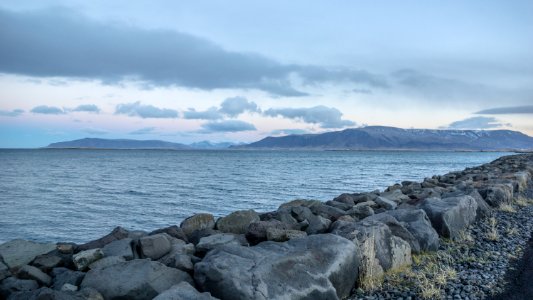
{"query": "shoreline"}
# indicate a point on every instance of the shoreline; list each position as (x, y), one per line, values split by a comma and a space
(359, 240)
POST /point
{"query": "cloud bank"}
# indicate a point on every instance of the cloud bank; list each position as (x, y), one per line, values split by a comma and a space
(11, 113)
(326, 117)
(47, 110)
(476, 123)
(528, 109)
(137, 109)
(227, 126)
(87, 108)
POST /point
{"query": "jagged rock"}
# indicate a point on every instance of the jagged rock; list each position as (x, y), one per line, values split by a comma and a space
(450, 215)
(122, 248)
(17, 253)
(217, 240)
(287, 270)
(83, 259)
(62, 276)
(154, 246)
(180, 256)
(257, 231)
(173, 231)
(183, 291)
(117, 234)
(106, 261)
(418, 223)
(11, 285)
(33, 273)
(183, 262)
(397, 229)
(347, 218)
(197, 222)
(386, 203)
(483, 209)
(283, 235)
(237, 222)
(301, 213)
(134, 279)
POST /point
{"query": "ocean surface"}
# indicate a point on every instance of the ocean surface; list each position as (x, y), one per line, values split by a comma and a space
(79, 195)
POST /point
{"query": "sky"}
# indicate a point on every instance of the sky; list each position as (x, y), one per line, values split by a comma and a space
(188, 71)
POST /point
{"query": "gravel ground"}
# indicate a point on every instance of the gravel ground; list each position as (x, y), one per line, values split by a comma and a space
(472, 267)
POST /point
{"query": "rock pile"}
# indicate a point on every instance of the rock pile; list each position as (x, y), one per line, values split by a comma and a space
(306, 249)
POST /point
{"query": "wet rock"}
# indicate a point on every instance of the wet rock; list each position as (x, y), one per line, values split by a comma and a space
(197, 222)
(117, 234)
(135, 279)
(450, 215)
(154, 246)
(33, 273)
(300, 202)
(83, 259)
(17, 253)
(122, 248)
(183, 291)
(287, 270)
(237, 222)
(283, 235)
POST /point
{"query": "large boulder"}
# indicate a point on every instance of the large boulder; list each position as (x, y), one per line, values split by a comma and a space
(385, 203)
(183, 291)
(483, 209)
(450, 215)
(257, 231)
(117, 234)
(283, 235)
(33, 273)
(328, 212)
(316, 267)
(83, 259)
(154, 246)
(50, 294)
(397, 229)
(17, 253)
(237, 222)
(173, 231)
(214, 241)
(122, 248)
(11, 285)
(135, 279)
(497, 194)
(418, 223)
(47, 262)
(62, 276)
(197, 222)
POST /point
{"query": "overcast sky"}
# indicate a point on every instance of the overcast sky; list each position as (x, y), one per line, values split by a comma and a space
(188, 71)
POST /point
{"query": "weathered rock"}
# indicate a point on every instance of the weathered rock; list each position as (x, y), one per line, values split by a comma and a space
(316, 267)
(361, 210)
(183, 291)
(237, 222)
(217, 240)
(497, 194)
(365, 197)
(197, 222)
(198, 234)
(178, 248)
(317, 224)
(154, 246)
(257, 231)
(66, 248)
(397, 229)
(346, 199)
(283, 235)
(483, 209)
(395, 195)
(17, 253)
(122, 248)
(418, 223)
(62, 276)
(386, 203)
(328, 212)
(173, 231)
(135, 279)
(106, 262)
(4, 271)
(300, 202)
(301, 213)
(49, 294)
(450, 215)
(47, 262)
(83, 259)
(34, 273)
(11, 285)
(117, 234)
(339, 205)
(183, 262)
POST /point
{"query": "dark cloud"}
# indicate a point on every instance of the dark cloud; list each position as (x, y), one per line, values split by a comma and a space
(211, 113)
(326, 117)
(137, 109)
(528, 109)
(235, 106)
(227, 126)
(87, 108)
(476, 123)
(11, 113)
(288, 131)
(145, 130)
(47, 110)
(62, 43)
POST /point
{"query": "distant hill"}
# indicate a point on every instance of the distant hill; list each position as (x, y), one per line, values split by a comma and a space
(93, 143)
(383, 138)
(210, 145)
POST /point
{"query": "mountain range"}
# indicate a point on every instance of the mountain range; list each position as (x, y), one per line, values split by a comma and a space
(365, 138)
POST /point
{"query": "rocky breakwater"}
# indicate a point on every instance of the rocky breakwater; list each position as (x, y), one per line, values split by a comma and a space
(306, 249)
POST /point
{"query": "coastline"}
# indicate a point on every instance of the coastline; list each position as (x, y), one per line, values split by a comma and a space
(358, 239)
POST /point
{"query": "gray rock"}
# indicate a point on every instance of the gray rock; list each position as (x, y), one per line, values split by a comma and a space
(34, 273)
(217, 240)
(197, 222)
(183, 291)
(418, 223)
(117, 234)
(386, 203)
(83, 259)
(397, 229)
(365, 197)
(47, 262)
(483, 209)
(328, 212)
(237, 222)
(183, 262)
(62, 276)
(395, 195)
(67, 287)
(497, 194)
(49, 294)
(135, 279)
(346, 199)
(154, 246)
(361, 210)
(450, 215)
(287, 270)
(283, 235)
(317, 224)
(339, 205)
(300, 202)
(173, 231)
(66, 248)
(122, 248)
(106, 262)
(4, 271)
(257, 231)
(178, 248)
(11, 285)
(198, 234)
(17, 253)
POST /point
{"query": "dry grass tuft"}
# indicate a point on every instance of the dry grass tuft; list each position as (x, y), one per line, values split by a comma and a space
(492, 234)
(522, 201)
(507, 208)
